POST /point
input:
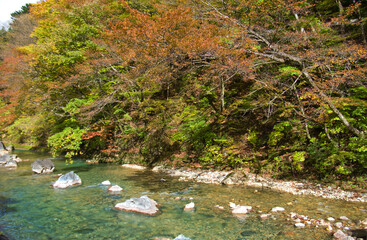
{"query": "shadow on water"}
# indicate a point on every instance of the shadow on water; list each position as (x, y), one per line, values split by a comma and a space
(151, 181)
(4, 208)
(76, 169)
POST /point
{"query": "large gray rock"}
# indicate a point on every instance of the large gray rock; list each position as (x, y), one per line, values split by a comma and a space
(43, 166)
(67, 180)
(10, 161)
(142, 205)
(4, 159)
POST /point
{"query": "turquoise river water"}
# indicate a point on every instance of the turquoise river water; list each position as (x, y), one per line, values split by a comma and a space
(31, 209)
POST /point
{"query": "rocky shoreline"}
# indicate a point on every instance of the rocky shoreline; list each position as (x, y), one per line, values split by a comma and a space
(249, 179)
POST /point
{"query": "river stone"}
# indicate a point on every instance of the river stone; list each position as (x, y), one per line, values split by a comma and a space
(115, 188)
(344, 218)
(43, 166)
(4, 158)
(67, 180)
(277, 209)
(106, 183)
(142, 205)
(241, 210)
(189, 207)
(340, 235)
(11, 164)
(182, 237)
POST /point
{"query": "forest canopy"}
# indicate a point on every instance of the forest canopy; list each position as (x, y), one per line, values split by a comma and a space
(274, 86)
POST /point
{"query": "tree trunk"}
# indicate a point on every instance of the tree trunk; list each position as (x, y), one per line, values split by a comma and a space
(362, 24)
(326, 99)
(222, 95)
(341, 13)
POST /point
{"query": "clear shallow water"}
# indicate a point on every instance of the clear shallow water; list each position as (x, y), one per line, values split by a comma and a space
(31, 209)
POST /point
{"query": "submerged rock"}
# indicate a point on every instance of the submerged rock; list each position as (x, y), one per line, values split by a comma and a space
(43, 166)
(241, 210)
(134, 166)
(142, 205)
(299, 225)
(67, 180)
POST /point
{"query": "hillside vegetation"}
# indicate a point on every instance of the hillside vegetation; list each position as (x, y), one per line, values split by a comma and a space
(274, 86)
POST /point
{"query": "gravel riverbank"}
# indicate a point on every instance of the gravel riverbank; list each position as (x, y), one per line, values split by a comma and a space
(249, 179)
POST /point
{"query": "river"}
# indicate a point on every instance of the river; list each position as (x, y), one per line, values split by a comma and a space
(31, 209)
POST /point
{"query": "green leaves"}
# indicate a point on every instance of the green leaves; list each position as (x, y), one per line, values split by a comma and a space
(68, 141)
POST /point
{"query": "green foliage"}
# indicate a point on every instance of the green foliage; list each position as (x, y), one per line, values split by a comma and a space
(74, 105)
(68, 141)
(278, 133)
(30, 130)
(195, 131)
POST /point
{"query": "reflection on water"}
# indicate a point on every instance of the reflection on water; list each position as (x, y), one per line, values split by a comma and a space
(31, 209)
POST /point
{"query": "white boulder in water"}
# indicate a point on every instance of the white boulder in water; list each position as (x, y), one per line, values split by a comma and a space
(106, 183)
(182, 237)
(241, 210)
(189, 207)
(115, 188)
(142, 205)
(67, 180)
(237, 209)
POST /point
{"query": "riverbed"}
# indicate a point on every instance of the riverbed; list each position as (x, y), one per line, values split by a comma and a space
(31, 209)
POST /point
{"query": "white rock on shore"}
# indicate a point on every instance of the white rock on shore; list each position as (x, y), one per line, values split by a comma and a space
(299, 225)
(277, 209)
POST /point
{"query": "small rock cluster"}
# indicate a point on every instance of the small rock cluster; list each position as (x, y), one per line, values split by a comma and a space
(6, 159)
(216, 177)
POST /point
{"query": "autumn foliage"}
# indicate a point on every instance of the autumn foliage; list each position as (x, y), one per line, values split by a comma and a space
(276, 86)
